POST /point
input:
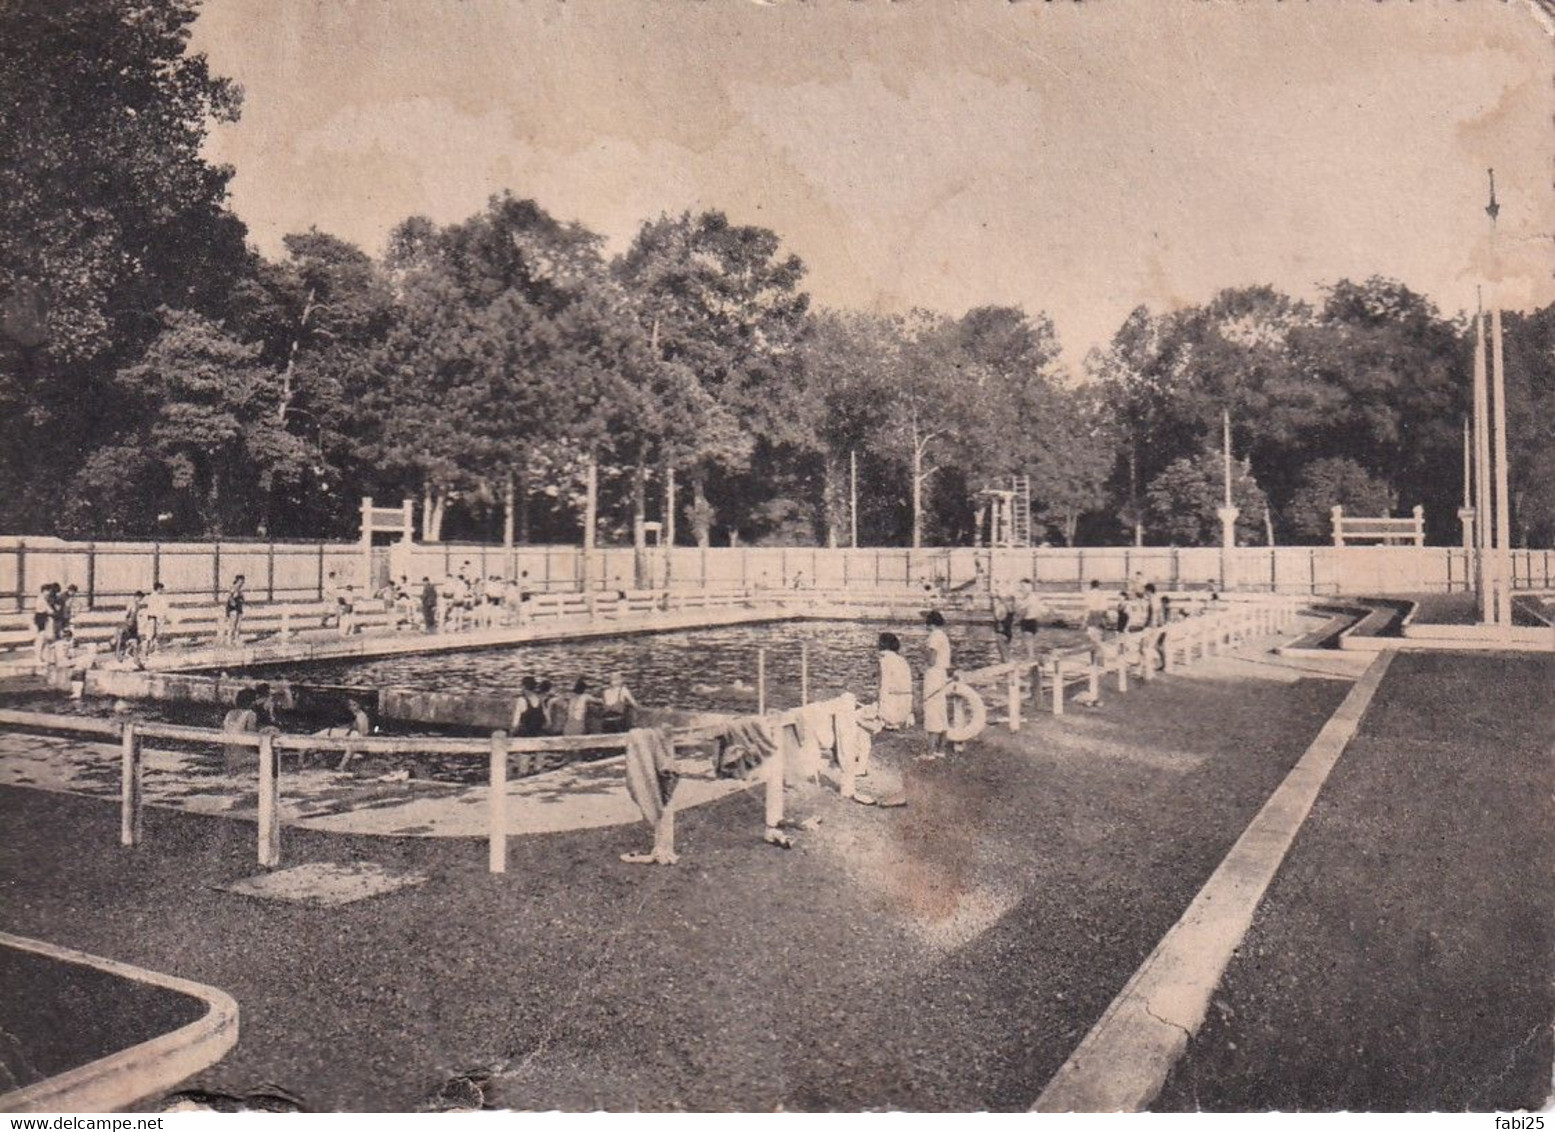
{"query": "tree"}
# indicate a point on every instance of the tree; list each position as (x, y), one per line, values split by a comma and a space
(848, 360)
(934, 409)
(720, 300)
(1182, 502)
(1395, 376)
(318, 314)
(1073, 460)
(1530, 397)
(108, 213)
(209, 440)
(1334, 481)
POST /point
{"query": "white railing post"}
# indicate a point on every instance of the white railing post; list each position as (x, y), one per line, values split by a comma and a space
(1014, 698)
(761, 680)
(804, 672)
(845, 735)
(1058, 686)
(497, 859)
(269, 804)
(130, 787)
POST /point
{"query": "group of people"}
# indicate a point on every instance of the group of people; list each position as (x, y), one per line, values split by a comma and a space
(137, 635)
(458, 602)
(1134, 619)
(895, 695)
(52, 614)
(544, 710)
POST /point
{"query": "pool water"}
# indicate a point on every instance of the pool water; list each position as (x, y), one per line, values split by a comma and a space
(702, 669)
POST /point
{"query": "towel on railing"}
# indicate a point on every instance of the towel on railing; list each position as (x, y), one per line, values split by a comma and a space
(651, 776)
(744, 746)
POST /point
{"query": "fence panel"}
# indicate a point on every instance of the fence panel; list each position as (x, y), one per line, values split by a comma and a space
(195, 572)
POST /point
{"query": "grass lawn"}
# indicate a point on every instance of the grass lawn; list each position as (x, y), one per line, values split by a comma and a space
(945, 956)
(1403, 957)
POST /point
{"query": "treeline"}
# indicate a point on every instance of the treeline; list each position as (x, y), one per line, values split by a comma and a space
(159, 377)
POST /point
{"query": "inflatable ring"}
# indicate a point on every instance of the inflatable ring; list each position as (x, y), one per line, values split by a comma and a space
(967, 723)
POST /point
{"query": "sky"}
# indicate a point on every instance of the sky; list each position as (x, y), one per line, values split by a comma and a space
(1077, 159)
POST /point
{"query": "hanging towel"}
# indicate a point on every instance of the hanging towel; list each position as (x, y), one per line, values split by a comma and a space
(650, 771)
(744, 746)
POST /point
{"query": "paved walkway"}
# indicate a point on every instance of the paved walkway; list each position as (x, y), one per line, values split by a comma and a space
(1404, 958)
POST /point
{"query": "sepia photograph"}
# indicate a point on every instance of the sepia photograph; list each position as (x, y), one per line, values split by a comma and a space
(777, 556)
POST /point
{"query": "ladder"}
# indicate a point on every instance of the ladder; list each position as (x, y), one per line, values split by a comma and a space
(1020, 512)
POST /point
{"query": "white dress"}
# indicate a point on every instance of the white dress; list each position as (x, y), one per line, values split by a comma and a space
(895, 690)
(936, 678)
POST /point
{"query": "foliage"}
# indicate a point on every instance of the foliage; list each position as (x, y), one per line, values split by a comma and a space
(1334, 481)
(1182, 503)
(108, 212)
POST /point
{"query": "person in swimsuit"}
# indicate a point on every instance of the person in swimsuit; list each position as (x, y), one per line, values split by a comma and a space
(232, 628)
(555, 708)
(529, 712)
(1002, 607)
(346, 618)
(578, 709)
(618, 705)
(428, 604)
(45, 624)
(330, 596)
(1154, 643)
(1031, 612)
(156, 615)
(241, 720)
(126, 641)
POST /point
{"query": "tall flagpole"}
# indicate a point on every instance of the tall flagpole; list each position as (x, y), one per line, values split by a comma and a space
(1227, 512)
(1502, 489)
(1501, 536)
(1482, 518)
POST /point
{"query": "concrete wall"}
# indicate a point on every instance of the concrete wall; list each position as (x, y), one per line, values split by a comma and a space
(200, 571)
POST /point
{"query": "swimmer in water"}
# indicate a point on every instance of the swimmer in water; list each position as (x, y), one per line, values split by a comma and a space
(578, 709)
(618, 704)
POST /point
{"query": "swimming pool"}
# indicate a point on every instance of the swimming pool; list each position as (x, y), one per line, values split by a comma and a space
(702, 669)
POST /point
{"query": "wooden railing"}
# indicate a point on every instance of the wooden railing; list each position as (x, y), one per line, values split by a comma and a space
(1177, 644)
(498, 750)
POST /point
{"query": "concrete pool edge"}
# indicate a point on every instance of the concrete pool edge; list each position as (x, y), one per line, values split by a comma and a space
(120, 1079)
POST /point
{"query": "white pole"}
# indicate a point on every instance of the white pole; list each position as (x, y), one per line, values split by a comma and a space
(1225, 418)
(497, 856)
(761, 681)
(1483, 519)
(269, 804)
(130, 788)
(367, 543)
(1503, 495)
(669, 507)
(853, 496)
(590, 522)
